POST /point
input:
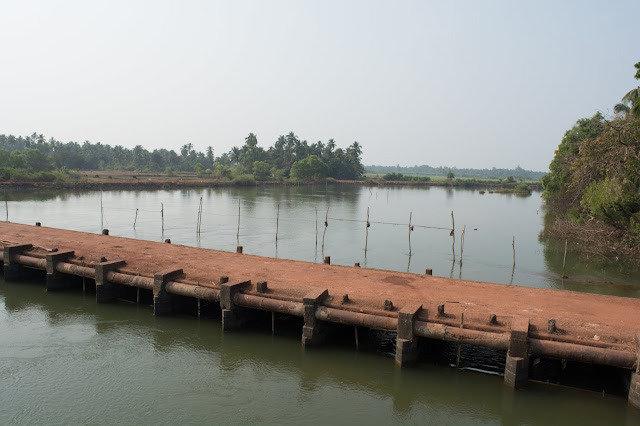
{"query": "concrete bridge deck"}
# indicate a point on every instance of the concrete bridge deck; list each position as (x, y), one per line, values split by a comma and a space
(592, 328)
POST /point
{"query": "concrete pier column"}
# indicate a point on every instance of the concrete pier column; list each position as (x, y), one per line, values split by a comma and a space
(162, 303)
(407, 342)
(56, 280)
(105, 291)
(516, 370)
(634, 390)
(313, 331)
(12, 270)
(232, 316)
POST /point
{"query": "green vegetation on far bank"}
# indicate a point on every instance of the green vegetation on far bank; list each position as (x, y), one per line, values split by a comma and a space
(593, 188)
(36, 159)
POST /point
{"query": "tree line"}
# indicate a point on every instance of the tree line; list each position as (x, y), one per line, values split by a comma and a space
(424, 170)
(288, 157)
(594, 178)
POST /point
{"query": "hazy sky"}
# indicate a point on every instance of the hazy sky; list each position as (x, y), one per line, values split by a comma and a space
(455, 83)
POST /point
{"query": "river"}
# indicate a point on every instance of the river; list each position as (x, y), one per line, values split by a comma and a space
(65, 360)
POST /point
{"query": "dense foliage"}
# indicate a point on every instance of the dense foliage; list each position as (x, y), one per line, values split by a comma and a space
(595, 174)
(28, 156)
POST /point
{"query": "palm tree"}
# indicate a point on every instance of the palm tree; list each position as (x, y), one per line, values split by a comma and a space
(235, 155)
(631, 101)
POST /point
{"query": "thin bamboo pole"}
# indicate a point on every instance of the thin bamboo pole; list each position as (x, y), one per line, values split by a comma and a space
(366, 235)
(410, 229)
(238, 233)
(326, 224)
(162, 216)
(199, 224)
(135, 219)
(464, 228)
(101, 213)
(453, 240)
(316, 227)
(513, 266)
(277, 224)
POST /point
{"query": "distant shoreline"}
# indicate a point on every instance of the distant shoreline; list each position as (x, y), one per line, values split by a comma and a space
(140, 182)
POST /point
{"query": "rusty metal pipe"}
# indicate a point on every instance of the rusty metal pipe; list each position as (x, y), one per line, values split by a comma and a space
(130, 280)
(30, 261)
(71, 269)
(353, 318)
(498, 341)
(571, 339)
(268, 304)
(188, 290)
(586, 354)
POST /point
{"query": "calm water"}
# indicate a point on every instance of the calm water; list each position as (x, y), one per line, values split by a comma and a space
(66, 360)
(494, 224)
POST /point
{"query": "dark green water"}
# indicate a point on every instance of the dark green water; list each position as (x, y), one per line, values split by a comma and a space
(66, 360)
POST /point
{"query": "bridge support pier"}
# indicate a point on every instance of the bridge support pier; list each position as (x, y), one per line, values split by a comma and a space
(56, 280)
(162, 302)
(232, 316)
(516, 370)
(313, 331)
(634, 390)
(105, 290)
(12, 270)
(407, 344)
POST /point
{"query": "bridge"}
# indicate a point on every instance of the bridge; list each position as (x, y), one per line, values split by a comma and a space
(525, 323)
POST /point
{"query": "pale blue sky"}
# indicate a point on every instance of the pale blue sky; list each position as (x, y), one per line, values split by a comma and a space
(458, 83)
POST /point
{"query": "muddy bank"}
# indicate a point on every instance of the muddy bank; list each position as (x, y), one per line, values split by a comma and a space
(156, 184)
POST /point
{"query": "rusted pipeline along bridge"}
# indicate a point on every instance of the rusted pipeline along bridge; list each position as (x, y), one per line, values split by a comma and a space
(515, 335)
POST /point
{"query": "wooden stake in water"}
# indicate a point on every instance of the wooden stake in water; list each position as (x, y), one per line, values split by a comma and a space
(513, 267)
(453, 240)
(316, 227)
(564, 260)
(6, 209)
(277, 224)
(199, 225)
(101, 212)
(238, 233)
(326, 224)
(162, 216)
(453, 224)
(464, 228)
(410, 229)
(135, 220)
(366, 235)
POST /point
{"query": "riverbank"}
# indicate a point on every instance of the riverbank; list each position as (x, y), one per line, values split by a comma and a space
(124, 180)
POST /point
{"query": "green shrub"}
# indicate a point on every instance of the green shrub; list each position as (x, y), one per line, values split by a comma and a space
(611, 201)
(522, 187)
(394, 177)
(244, 180)
(261, 170)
